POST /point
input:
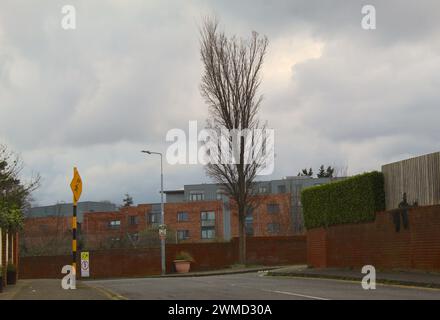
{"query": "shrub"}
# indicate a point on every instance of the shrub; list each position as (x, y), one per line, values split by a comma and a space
(353, 200)
(183, 255)
(11, 268)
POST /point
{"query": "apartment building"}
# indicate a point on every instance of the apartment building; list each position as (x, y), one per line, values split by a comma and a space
(203, 212)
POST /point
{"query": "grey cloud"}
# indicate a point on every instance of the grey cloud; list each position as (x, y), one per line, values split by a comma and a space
(95, 96)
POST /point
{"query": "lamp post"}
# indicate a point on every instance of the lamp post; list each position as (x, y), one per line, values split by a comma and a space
(162, 214)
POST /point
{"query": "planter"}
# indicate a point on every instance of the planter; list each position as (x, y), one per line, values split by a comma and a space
(182, 266)
(11, 277)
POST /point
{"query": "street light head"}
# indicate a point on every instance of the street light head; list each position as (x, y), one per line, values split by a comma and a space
(146, 151)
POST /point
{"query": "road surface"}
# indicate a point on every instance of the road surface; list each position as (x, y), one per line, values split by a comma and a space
(255, 286)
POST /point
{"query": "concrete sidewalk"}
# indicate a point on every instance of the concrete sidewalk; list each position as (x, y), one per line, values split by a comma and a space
(396, 277)
(50, 289)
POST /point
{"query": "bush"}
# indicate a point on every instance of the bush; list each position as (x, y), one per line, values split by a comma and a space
(11, 268)
(183, 255)
(353, 200)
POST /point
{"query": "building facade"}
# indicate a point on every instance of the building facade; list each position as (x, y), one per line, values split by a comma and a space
(203, 213)
(65, 209)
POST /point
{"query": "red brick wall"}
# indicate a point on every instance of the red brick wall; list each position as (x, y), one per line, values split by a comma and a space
(317, 248)
(275, 250)
(143, 262)
(378, 243)
(38, 230)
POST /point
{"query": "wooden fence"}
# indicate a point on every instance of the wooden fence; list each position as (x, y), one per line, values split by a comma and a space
(419, 177)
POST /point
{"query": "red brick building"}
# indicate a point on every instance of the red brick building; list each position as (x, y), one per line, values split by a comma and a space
(196, 213)
(194, 221)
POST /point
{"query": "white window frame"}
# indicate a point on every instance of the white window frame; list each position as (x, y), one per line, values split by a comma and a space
(197, 193)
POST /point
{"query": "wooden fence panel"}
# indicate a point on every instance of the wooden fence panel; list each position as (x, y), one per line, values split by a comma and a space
(419, 177)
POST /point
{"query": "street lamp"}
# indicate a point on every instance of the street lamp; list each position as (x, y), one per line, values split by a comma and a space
(162, 214)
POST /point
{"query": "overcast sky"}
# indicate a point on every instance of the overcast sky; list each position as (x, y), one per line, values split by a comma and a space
(95, 96)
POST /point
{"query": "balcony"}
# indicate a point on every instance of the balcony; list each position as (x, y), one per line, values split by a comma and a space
(208, 223)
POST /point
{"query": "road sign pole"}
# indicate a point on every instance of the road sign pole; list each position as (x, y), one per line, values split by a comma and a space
(162, 215)
(162, 219)
(76, 186)
(74, 226)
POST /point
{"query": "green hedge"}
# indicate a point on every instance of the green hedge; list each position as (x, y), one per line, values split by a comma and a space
(352, 200)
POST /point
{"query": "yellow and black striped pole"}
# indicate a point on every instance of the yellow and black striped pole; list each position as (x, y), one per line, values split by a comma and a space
(74, 225)
(76, 186)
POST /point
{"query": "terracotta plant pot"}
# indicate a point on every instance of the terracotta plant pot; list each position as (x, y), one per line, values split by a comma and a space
(182, 266)
(11, 277)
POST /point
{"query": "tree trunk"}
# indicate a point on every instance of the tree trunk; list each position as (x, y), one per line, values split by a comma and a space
(242, 238)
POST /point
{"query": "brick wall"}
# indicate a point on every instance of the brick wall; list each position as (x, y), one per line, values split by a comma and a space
(378, 243)
(143, 262)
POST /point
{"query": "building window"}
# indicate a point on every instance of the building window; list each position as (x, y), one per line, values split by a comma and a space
(182, 216)
(273, 208)
(282, 189)
(114, 224)
(133, 220)
(262, 189)
(182, 234)
(155, 218)
(207, 219)
(196, 196)
(221, 195)
(273, 228)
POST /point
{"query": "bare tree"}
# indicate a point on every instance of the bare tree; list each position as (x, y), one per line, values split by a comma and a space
(229, 85)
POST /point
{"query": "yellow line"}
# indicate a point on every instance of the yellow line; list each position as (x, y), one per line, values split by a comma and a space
(109, 294)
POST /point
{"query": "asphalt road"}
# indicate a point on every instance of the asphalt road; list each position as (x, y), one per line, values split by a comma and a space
(255, 286)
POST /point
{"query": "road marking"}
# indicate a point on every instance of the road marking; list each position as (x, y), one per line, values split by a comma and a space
(378, 283)
(280, 292)
(109, 293)
(297, 295)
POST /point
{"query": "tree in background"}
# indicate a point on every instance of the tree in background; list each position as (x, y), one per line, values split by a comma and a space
(305, 173)
(15, 195)
(127, 201)
(325, 173)
(230, 81)
(322, 172)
